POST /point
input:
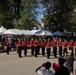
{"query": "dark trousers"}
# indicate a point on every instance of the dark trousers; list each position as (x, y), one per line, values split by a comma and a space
(19, 51)
(75, 51)
(65, 51)
(55, 51)
(36, 51)
(32, 50)
(25, 51)
(60, 50)
(72, 50)
(43, 50)
(7, 50)
(48, 52)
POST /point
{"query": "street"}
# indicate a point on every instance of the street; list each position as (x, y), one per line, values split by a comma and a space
(13, 65)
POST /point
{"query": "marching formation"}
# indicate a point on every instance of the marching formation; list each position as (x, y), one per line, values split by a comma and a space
(42, 46)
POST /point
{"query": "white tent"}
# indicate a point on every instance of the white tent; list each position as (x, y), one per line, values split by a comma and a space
(12, 31)
(2, 30)
(34, 31)
(26, 32)
(58, 33)
(48, 33)
(8, 32)
(42, 32)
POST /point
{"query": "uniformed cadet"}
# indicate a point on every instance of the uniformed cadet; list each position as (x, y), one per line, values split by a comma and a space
(55, 48)
(65, 48)
(19, 47)
(71, 45)
(43, 47)
(48, 48)
(7, 46)
(24, 46)
(32, 46)
(75, 48)
(39, 41)
(36, 47)
(60, 46)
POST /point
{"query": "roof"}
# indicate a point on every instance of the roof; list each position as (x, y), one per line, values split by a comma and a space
(26, 32)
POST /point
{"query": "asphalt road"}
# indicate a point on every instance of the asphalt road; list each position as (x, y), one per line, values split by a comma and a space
(13, 65)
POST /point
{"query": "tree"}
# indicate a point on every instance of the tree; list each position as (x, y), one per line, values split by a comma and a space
(58, 14)
(28, 14)
(6, 14)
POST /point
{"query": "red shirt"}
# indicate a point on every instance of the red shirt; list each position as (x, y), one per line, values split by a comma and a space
(31, 43)
(54, 43)
(75, 44)
(7, 44)
(48, 45)
(35, 43)
(19, 43)
(70, 44)
(59, 43)
(23, 44)
(65, 45)
(42, 43)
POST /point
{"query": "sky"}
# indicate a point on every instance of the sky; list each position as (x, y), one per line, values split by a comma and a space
(40, 14)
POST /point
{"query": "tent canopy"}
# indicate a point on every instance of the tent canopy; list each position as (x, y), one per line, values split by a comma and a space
(2, 30)
(42, 32)
(26, 32)
(12, 31)
(58, 33)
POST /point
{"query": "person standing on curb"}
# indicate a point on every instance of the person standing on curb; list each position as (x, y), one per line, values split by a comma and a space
(62, 70)
(69, 59)
(46, 70)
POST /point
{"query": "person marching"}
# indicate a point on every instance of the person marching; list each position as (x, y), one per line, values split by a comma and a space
(54, 47)
(65, 48)
(71, 45)
(39, 41)
(43, 47)
(7, 44)
(32, 46)
(75, 48)
(60, 47)
(36, 47)
(19, 47)
(48, 45)
(24, 46)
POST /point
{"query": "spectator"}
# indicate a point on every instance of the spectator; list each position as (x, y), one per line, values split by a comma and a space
(0, 47)
(69, 59)
(62, 70)
(45, 71)
(55, 66)
(75, 72)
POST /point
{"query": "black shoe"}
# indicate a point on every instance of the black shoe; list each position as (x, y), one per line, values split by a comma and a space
(20, 56)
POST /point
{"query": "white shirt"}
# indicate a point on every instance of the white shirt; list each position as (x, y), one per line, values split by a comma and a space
(45, 72)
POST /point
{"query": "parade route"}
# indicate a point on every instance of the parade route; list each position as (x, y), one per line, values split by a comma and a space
(13, 65)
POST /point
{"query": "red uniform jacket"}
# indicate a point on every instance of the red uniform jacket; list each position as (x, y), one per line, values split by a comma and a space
(71, 44)
(54, 43)
(18, 43)
(42, 43)
(31, 43)
(65, 45)
(48, 45)
(23, 44)
(59, 43)
(35, 43)
(7, 44)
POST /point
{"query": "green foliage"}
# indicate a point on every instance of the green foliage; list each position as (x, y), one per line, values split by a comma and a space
(58, 14)
(28, 14)
(6, 15)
